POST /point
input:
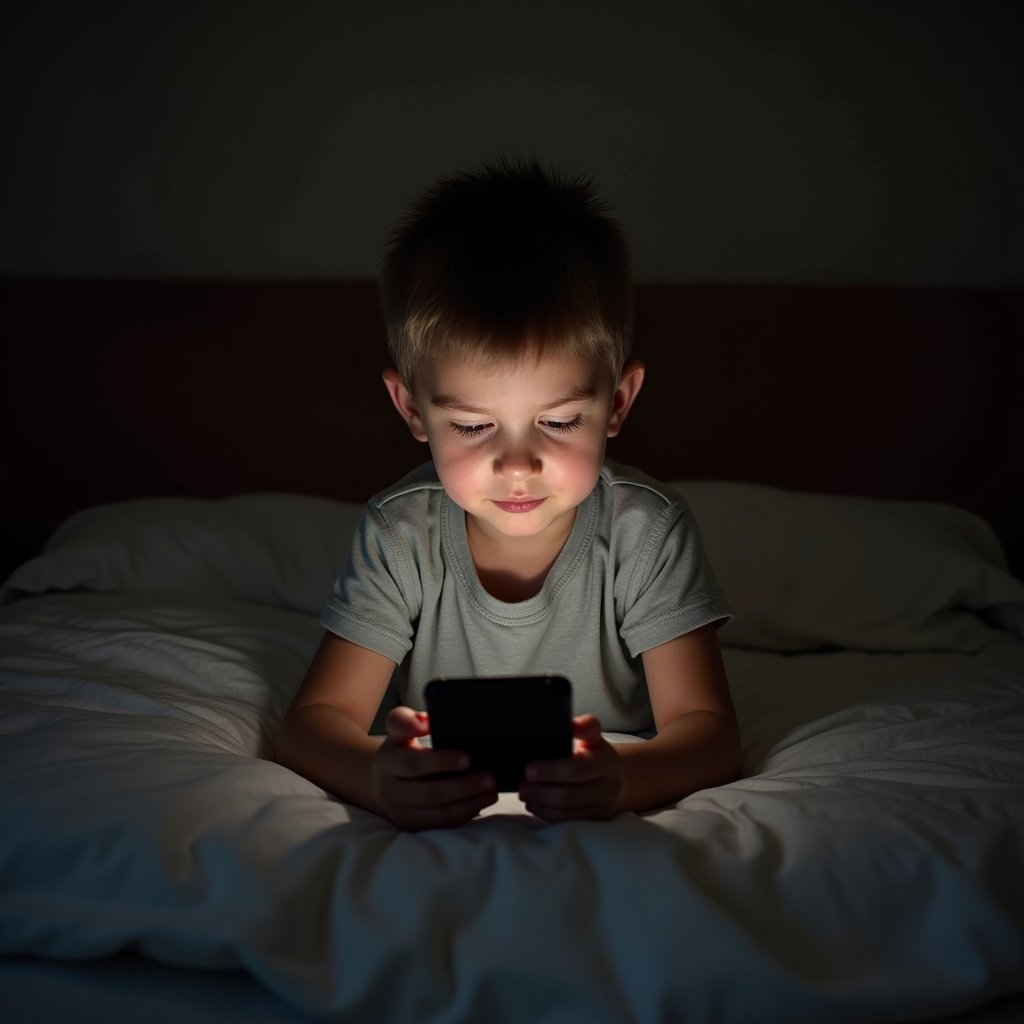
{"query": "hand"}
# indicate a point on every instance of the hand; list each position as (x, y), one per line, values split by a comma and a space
(588, 784)
(405, 778)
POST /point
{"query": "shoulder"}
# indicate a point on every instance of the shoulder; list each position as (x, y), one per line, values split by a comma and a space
(664, 583)
(644, 522)
(631, 498)
(409, 498)
(397, 535)
(400, 525)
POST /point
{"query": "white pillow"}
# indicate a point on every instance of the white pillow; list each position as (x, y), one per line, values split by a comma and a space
(805, 571)
(801, 571)
(282, 550)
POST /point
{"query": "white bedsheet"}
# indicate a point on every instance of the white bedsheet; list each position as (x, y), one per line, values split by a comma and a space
(867, 868)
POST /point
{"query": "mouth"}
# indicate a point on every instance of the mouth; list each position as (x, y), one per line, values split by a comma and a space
(518, 505)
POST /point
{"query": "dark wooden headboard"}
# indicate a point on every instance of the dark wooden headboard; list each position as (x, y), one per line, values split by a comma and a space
(125, 388)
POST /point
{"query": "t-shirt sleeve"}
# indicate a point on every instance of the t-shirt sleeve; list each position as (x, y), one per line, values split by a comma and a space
(374, 602)
(671, 589)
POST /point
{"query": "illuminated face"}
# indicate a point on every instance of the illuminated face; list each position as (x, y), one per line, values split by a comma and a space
(518, 445)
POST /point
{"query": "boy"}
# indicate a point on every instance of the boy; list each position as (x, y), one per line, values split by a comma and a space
(518, 549)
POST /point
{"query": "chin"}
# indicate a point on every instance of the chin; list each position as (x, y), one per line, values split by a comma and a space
(526, 525)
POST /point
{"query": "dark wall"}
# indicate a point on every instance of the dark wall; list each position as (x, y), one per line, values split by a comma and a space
(877, 141)
(121, 389)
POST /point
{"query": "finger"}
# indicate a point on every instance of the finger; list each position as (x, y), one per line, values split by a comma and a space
(565, 803)
(404, 724)
(587, 764)
(417, 819)
(554, 795)
(567, 770)
(416, 762)
(445, 791)
(600, 811)
(587, 729)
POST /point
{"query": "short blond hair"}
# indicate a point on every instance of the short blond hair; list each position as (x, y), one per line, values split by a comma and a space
(507, 260)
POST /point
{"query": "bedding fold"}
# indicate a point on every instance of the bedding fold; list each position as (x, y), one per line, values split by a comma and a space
(867, 866)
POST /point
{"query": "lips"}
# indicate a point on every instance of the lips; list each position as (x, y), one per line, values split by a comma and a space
(518, 505)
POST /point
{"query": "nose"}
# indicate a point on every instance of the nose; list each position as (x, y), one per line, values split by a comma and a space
(516, 462)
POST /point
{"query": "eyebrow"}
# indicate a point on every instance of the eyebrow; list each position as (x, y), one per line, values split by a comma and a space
(453, 403)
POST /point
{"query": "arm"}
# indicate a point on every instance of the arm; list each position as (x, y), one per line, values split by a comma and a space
(325, 732)
(324, 736)
(697, 744)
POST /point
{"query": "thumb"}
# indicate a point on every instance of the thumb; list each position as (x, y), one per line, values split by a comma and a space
(404, 725)
(587, 729)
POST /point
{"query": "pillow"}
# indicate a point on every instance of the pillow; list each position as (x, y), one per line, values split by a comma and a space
(806, 571)
(283, 550)
(802, 571)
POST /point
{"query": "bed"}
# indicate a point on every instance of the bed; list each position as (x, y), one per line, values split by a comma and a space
(188, 462)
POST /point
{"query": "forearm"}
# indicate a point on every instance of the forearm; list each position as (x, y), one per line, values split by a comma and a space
(695, 751)
(326, 746)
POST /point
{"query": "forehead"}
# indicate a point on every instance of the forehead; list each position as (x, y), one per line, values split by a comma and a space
(543, 380)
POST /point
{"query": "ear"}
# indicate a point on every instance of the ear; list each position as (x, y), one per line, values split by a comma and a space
(404, 402)
(630, 382)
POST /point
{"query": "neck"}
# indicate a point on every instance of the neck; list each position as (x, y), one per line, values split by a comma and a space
(514, 568)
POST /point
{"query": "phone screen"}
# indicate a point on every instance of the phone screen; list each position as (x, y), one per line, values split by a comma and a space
(502, 722)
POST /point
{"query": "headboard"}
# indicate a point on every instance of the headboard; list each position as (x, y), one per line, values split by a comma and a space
(127, 388)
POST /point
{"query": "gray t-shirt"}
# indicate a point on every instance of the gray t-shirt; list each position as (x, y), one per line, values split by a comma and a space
(632, 575)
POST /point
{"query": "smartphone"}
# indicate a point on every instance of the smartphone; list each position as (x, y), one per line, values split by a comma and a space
(502, 722)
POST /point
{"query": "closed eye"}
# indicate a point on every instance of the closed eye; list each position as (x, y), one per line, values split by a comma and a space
(469, 429)
(564, 426)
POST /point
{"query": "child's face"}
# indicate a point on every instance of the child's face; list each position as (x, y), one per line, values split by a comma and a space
(517, 445)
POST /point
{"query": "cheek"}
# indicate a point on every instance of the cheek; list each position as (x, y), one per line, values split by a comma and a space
(455, 464)
(581, 465)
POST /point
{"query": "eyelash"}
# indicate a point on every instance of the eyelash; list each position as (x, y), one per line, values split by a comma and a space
(565, 426)
(475, 430)
(478, 429)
